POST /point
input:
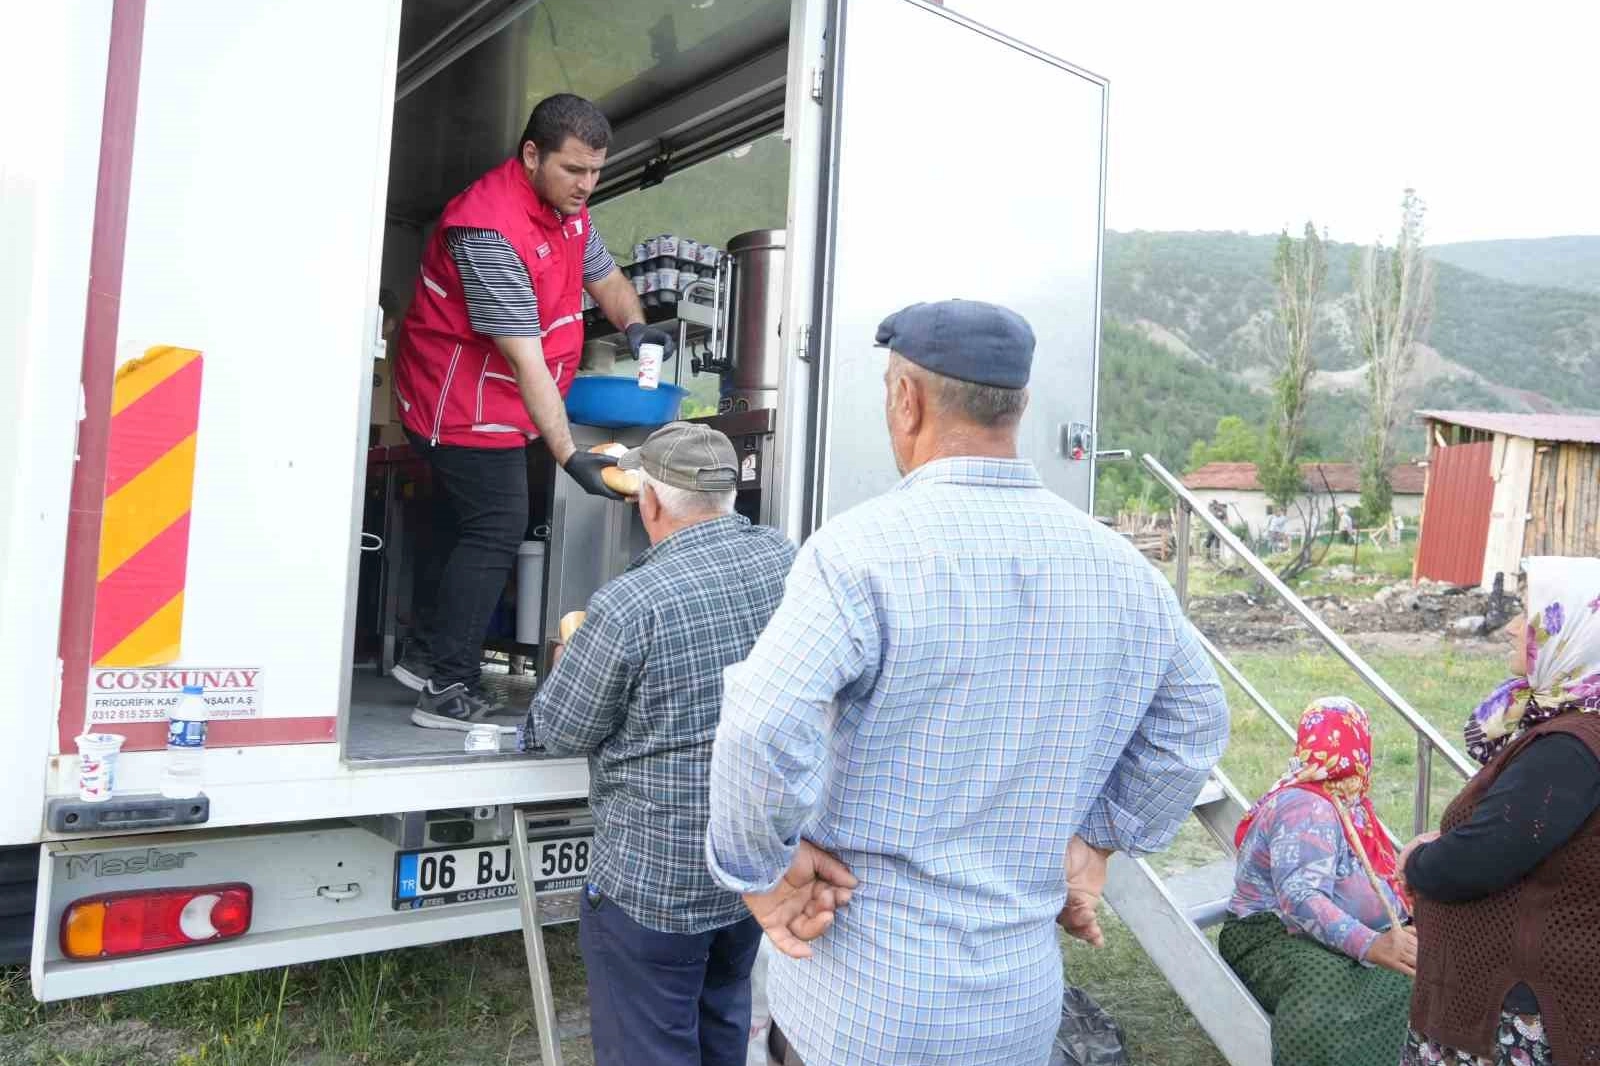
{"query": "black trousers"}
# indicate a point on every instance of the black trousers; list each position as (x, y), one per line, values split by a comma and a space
(481, 516)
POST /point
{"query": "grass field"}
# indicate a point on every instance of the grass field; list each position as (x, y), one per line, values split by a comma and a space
(1373, 568)
(467, 1003)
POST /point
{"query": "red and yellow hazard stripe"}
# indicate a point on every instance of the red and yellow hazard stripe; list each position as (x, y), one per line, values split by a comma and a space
(144, 535)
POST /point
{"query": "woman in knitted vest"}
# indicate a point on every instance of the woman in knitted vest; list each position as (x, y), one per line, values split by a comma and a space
(1315, 928)
(1508, 896)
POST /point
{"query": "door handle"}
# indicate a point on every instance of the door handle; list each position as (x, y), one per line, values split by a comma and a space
(342, 894)
(1076, 440)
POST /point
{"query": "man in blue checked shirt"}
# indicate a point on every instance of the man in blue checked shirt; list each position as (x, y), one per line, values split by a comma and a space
(668, 951)
(971, 695)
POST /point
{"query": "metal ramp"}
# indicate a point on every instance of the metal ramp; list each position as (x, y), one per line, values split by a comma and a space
(539, 909)
(1169, 915)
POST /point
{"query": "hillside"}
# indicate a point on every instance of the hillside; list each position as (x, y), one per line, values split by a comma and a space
(1139, 378)
(1213, 293)
(1548, 262)
(1193, 307)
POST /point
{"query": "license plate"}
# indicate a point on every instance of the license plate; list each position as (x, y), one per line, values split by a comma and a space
(436, 877)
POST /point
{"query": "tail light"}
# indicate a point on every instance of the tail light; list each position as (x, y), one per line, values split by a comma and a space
(160, 919)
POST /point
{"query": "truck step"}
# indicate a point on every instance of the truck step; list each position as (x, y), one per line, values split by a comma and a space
(1203, 893)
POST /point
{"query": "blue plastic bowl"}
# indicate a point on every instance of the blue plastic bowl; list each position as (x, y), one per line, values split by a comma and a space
(614, 402)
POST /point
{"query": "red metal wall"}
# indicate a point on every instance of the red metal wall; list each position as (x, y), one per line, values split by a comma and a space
(1455, 514)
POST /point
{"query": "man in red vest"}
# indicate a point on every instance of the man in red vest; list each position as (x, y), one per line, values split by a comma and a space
(487, 352)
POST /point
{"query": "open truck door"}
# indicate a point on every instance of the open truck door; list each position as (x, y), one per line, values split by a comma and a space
(976, 172)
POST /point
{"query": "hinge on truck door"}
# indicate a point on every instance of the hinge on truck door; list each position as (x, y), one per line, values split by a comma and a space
(817, 73)
(803, 344)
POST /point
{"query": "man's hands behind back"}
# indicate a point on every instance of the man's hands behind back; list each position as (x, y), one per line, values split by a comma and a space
(1086, 882)
(802, 905)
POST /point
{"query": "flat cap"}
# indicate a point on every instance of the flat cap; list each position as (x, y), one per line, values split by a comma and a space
(968, 340)
(686, 455)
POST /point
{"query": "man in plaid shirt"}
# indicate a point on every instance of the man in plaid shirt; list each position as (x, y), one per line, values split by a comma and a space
(639, 691)
(971, 695)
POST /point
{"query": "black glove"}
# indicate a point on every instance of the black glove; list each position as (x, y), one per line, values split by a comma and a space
(585, 467)
(639, 333)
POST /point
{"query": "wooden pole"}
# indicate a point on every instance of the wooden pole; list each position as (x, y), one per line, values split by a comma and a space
(1541, 500)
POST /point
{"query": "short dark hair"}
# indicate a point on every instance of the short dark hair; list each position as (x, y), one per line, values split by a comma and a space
(555, 118)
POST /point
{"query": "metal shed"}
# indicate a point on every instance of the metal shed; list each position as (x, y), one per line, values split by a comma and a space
(1503, 486)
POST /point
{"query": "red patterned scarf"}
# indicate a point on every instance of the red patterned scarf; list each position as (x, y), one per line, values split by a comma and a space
(1333, 758)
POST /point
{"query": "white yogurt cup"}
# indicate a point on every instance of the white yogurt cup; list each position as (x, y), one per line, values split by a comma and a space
(97, 765)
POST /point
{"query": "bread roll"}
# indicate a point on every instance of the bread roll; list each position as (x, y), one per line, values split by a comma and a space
(569, 624)
(613, 449)
(622, 482)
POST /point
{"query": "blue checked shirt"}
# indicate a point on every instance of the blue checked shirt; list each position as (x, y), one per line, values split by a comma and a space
(963, 673)
(639, 691)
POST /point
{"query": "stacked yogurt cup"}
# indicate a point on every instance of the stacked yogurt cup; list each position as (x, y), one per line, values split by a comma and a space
(664, 266)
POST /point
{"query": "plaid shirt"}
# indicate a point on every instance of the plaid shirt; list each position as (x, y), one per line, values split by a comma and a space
(963, 673)
(639, 691)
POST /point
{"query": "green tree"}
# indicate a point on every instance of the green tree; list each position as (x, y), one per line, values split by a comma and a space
(1299, 270)
(1394, 306)
(1234, 441)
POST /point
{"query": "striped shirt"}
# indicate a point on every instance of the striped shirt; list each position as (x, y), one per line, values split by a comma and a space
(494, 280)
(964, 672)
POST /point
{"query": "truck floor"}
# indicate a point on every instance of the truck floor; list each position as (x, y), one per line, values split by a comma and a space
(380, 719)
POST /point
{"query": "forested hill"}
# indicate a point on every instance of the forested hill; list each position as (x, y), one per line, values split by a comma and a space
(1213, 293)
(1548, 262)
(1183, 345)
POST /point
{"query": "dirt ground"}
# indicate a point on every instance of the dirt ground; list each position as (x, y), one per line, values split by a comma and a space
(1390, 617)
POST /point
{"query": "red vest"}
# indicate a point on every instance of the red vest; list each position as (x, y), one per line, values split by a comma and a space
(451, 383)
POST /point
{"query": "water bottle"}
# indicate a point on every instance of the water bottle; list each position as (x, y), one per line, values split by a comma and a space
(186, 745)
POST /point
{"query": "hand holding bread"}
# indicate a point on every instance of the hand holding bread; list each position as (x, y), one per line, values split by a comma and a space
(569, 624)
(622, 482)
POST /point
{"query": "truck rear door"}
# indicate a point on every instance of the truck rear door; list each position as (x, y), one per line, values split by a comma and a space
(244, 348)
(958, 162)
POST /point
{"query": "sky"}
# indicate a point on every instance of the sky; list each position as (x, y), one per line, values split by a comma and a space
(1246, 115)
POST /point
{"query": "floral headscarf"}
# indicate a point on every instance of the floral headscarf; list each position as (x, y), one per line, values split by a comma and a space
(1563, 656)
(1333, 758)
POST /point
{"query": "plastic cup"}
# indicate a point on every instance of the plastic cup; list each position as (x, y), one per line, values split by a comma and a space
(97, 765)
(483, 738)
(650, 365)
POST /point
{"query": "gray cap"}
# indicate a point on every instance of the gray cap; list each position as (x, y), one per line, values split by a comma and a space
(968, 340)
(686, 455)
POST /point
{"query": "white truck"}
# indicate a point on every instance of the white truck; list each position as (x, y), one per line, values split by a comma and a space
(201, 204)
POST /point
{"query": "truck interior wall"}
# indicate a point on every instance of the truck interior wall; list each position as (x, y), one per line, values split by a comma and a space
(402, 252)
(47, 208)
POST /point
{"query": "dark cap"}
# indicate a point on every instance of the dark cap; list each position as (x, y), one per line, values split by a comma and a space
(686, 455)
(963, 339)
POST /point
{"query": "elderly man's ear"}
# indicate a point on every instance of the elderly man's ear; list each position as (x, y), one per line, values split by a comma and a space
(907, 402)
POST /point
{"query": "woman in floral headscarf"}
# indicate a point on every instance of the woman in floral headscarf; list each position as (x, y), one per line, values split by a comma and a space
(1508, 898)
(1315, 924)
